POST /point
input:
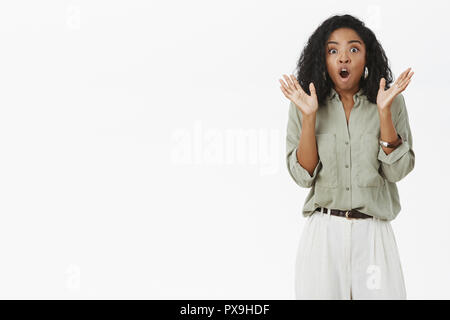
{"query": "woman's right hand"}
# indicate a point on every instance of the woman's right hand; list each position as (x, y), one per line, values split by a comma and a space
(307, 104)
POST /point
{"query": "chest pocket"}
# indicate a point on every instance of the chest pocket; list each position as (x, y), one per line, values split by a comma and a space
(368, 165)
(326, 148)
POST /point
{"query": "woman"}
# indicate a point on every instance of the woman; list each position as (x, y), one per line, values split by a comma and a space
(349, 140)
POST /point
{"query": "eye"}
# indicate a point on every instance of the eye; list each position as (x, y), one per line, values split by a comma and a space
(355, 48)
(330, 50)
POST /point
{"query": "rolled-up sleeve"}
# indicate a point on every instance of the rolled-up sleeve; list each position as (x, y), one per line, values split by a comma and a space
(300, 175)
(397, 164)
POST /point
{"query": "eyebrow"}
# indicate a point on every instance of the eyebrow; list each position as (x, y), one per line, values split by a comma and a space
(351, 41)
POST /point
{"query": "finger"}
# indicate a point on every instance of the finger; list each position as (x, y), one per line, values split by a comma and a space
(286, 89)
(312, 89)
(405, 84)
(402, 82)
(299, 88)
(399, 79)
(285, 92)
(295, 82)
(295, 86)
(289, 82)
(404, 74)
(382, 83)
(285, 86)
(406, 79)
(292, 78)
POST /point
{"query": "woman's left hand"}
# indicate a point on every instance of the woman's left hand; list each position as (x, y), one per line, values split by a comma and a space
(385, 97)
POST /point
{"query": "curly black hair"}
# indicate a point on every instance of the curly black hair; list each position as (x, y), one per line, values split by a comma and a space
(311, 66)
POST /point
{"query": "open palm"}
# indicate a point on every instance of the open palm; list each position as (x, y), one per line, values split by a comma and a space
(293, 91)
(385, 97)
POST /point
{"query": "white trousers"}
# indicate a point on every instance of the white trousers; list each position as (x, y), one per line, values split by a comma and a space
(340, 258)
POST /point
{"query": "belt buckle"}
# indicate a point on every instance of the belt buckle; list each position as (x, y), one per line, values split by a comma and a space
(346, 214)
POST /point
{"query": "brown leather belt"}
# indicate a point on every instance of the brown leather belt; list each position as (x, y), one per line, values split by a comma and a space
(349, 214)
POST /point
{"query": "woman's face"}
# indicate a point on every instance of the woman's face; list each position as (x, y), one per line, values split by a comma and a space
(345, 49)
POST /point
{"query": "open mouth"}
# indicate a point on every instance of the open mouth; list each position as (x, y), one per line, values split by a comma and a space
(344, 74)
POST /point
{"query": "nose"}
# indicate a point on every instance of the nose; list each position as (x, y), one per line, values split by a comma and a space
(344, 58)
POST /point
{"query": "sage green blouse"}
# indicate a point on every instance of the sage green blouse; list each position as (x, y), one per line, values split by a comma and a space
(353, 171)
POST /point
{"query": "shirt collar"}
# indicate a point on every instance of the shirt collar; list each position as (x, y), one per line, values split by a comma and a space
(335, 95)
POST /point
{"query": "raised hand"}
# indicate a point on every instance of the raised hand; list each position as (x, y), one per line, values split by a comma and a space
(385, 97)
(292, 90)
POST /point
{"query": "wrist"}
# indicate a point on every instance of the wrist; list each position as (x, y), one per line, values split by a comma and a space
(385, 113)
(393, 144)
(309, 119)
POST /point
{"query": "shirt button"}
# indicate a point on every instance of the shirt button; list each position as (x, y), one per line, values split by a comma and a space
(347, 188)
(346, 142)
(346, 165)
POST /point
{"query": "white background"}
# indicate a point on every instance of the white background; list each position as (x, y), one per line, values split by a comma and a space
(142, 146)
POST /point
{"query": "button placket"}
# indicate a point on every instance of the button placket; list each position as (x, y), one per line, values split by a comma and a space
(347, 161)
(347, 142)
(347, 156)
